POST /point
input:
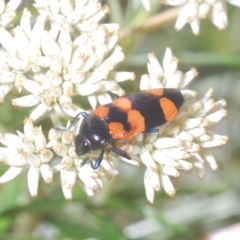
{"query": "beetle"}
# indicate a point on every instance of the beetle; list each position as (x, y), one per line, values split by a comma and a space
(124, 118)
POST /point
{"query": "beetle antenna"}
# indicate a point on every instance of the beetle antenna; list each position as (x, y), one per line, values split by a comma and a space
(73, 122)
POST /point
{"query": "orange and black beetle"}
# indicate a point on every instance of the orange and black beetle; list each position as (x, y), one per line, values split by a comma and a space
(124, 118)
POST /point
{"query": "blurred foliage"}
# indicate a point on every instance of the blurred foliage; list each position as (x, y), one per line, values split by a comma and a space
(122, 211)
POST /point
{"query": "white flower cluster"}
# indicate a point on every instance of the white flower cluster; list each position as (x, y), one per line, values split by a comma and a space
(195, 10)
(67, 53)
(55, 63)
(64, 53)
(26, 150)
(185, 142)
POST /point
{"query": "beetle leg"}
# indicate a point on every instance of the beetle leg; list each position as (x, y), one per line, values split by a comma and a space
(84, 162)
(98, 160)
(120, 152)
(153, 130)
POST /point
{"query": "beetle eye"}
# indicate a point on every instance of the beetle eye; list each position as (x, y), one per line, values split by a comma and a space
(82, 148)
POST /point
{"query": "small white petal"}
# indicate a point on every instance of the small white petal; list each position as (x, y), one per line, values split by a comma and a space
(191, 123)
(154, 67)
(234, 2)
(206, 107)
(25, 101)
(13, 4)
(67, 137)
(8, 151)
(154, 178)
(27, 145)
(28, 128)
(209, 158)
(86, 89)
(6, 39)
(146, 4)
(7, 77)
(39, 111)
(149, 190)
(121, 76)
(216, 117)
(107, 168)
(66, 7)
(111, 86)
(39, 139)
(56, 65)
(145, 82)
(66, 54)
(87, 180)
(54, 6)
(49, 46)
(167, 185)
(87, 26)
(4, 90)
(195, 26)
(33, 180)
(100, 15)
(188, 77)
(104, 98)
(197, 132)
(187, 166)
(45, 155)
(33, 160)
(47, 173)
(165, 142)
(2, 6)
(170, 171)
(214, 142)
(43, 61)
(22, 43)
(25, 22)
(175, 153)
(68, 179)
(11, 140)
(60, 149)
(198, 167)
(170, 63)
(10, 174)
(7, 17)
(73, 111)
(93, 101)
(197, 158)
(37, 32)
(148, 160)
(173, 80)
(187, 13)
(89, 191)
(32, 86)
(162, 158)
(219, 18)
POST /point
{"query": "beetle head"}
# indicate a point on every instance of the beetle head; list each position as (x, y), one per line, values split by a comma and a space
(93, 135)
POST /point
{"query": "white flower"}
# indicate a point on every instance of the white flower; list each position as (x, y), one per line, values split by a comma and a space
(146, 4)
(26, 150)
(71, 167)
(7, 12)
(186, 141)
(195, 10)
(81, 15)
(56, 64)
